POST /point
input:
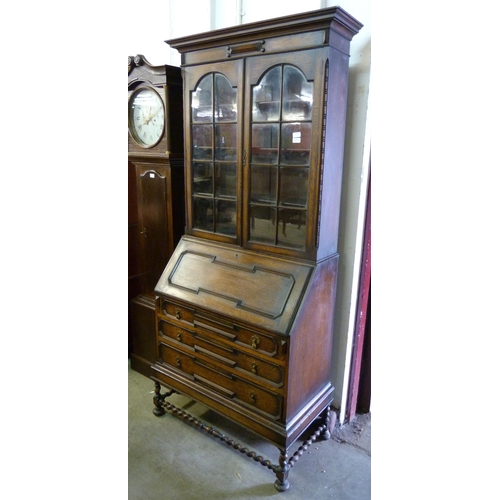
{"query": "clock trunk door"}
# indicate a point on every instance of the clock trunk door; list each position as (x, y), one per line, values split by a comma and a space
(155, 224)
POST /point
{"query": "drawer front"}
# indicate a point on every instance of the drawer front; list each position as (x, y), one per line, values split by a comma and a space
(175, 332)
(245, 337)
(262, 343)
(257, 341)
(173, 310)
(224, 382)
(177, 359)
(222, 349)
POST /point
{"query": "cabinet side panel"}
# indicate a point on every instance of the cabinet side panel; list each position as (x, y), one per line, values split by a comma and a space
(333, 153)
(311, 340)
(178, 200)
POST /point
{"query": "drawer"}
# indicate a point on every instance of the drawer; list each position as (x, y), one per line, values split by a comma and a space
(179, 312)
(265, 344)
(223, 350)
(223, 382)
(175, 332)
(177, 359)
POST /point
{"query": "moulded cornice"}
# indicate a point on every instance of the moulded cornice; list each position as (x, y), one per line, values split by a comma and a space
(335, 18)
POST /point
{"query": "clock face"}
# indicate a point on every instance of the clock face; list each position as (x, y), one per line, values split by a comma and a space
(146, 117)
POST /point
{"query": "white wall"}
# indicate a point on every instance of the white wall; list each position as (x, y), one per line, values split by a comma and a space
(176, 18)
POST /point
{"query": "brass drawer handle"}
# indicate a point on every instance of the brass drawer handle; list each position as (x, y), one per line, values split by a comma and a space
(255, 366)
(253, 398)
(178, 361)
(178, 313)
(255, 341)
(179, 336)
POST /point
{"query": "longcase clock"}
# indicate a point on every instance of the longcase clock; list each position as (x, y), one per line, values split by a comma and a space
(156, 193)
(245, 306)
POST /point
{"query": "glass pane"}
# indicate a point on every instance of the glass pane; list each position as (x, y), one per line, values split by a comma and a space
(201, 101)
(262, 224)
(265, 143)
(202, 142)
(263, 184)
(225, 100)
(202, 178)
(292, 228)
(225, 179)
(293, 186)
(266, 97)
(225, 142)
(297, 95)
(225, 222)
(295, 143)
(203, 213)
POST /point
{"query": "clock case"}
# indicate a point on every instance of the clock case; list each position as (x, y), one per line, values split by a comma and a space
(156, 206)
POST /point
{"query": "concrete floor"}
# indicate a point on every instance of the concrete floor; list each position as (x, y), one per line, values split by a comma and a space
(171, 460)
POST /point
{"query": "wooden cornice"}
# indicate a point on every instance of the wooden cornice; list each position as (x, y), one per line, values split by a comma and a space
(334, 18)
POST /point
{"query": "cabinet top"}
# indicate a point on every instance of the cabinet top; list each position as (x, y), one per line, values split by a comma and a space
(334, 18)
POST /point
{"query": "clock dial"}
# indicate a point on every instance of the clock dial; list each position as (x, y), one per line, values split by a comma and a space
(146, 117)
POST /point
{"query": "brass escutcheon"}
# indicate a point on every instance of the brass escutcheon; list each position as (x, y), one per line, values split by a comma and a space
(254, 367)
(178, 313)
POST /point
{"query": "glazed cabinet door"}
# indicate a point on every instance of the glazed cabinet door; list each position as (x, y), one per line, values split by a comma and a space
(284, 113)
(214, 104)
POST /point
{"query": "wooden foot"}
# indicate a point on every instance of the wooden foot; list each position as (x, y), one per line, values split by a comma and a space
(330, 419)
(282, 483)
(158, 411)
(158, 400)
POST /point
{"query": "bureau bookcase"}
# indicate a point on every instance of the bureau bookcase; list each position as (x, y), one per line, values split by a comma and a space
(245, 306)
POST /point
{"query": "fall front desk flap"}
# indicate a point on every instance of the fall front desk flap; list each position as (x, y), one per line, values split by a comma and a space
(259, 289)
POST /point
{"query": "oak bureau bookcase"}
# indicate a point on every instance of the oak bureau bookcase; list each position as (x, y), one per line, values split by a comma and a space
(245, 305)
